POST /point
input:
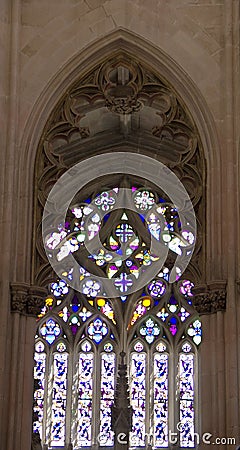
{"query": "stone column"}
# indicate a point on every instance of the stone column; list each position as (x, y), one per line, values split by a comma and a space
(26, 303)
(210, 302)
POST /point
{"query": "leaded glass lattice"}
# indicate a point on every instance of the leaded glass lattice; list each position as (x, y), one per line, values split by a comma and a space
(59, 397)
(81, 332)
(160, 400)
(85, 396)
(138, 398)
(186, 392)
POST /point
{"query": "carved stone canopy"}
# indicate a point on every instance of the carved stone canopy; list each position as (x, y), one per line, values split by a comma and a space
(210, 298)
(26, 299)
(120, 105)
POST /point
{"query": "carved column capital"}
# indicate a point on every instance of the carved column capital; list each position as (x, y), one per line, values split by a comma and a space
(210, 298)
(26, 299)
(19, 297)
(36, 298)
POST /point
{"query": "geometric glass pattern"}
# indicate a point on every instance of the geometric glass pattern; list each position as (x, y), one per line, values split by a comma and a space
(150, 330)
(80, 335)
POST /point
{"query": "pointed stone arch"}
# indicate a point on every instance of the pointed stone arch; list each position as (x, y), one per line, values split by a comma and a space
(158, 62)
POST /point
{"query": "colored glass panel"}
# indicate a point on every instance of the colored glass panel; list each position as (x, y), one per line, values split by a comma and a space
(124, 232)
(97, 330)
(50, 330)
(105, 201)
(160, 400)
(59, 398)
(91, 288)
(144, 200)
(157, 288)
(39, 377)
(150, 330)
(85, 396)
(59, 289)
(195, 331)
(186, 390)
(107, 397)
(138, 398)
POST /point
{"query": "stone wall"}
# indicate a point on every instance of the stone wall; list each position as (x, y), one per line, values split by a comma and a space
(44, 45)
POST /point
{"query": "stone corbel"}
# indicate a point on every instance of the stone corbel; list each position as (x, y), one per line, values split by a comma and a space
(210, 298)
(19, 297)
(26, 299)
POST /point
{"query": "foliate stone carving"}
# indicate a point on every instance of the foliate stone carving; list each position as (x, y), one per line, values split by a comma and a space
(210, 298)
(26, 299)
(84, 132)
(122, 105)
(119, 104)
(36, 299)
(19, 297)
(121, 82)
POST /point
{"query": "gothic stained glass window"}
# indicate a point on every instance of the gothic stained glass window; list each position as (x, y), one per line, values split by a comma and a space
(80, 331)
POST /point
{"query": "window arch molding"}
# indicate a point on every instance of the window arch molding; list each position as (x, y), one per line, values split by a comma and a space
(49, 99)
(48, 164)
